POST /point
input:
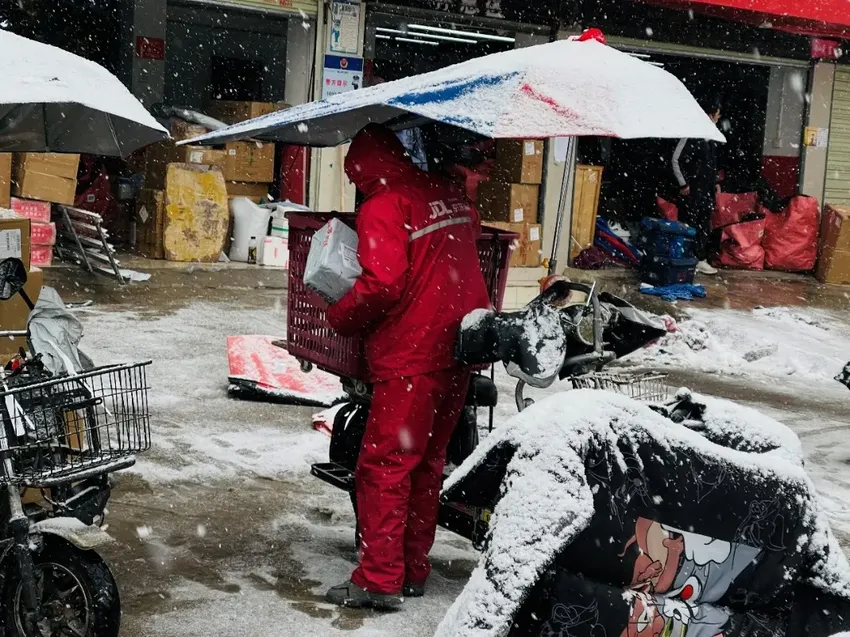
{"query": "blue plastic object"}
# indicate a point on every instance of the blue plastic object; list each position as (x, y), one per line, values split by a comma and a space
(660, 238)
(663, 271)
(678, 292)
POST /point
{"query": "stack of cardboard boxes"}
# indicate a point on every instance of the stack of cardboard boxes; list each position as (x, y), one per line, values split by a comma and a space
(511, 199)
(15, 241)
(37, 180)
(246, 169)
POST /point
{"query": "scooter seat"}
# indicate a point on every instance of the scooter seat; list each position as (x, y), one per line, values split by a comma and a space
(482, 392)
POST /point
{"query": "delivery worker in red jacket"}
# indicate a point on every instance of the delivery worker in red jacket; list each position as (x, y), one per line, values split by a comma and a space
(421, 276)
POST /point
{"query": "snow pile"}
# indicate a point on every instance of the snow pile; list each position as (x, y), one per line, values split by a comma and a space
(777, 342)
(547, 502)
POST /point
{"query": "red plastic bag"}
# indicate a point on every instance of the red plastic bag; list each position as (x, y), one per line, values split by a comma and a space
(667, 210)
(731, 208)
(791, 237)
(740, 246)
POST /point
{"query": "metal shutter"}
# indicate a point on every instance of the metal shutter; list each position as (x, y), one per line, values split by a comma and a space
(838, 160)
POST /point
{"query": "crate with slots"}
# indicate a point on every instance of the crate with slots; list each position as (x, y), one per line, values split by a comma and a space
(311, 339)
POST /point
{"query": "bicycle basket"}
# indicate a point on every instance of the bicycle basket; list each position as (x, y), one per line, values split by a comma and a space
(648, 387)
(70, 427)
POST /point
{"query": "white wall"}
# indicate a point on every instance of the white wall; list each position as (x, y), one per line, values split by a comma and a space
(786, 104)
(330, 189)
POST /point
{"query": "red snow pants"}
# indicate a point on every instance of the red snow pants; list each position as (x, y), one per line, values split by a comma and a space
(399, 476)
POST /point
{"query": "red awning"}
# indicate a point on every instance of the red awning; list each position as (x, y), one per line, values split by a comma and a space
(822, 18)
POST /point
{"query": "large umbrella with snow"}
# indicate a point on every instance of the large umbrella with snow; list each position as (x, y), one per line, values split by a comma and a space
(568, 89)
(55, 101)
(562, 89)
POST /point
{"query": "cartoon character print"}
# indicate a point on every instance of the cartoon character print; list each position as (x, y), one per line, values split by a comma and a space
(678, 576)
(567, 621)
(764, 518)
(633, 484)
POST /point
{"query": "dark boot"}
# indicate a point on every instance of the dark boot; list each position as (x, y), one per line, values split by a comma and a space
(351, 595)
(413, 590)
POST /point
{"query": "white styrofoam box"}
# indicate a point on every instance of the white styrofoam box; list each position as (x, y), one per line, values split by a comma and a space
(332, 265)
(273, 252)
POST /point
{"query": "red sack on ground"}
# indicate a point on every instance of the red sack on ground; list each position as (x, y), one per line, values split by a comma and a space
(731, 208)
(740, 246)
(667, 210)
(791, 237)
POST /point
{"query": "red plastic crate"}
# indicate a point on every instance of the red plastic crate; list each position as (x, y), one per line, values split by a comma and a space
(309, 336)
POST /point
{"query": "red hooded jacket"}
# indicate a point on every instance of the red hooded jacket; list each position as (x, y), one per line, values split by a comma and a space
(421, 272)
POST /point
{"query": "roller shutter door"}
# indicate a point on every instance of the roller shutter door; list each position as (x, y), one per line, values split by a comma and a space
(838, 161)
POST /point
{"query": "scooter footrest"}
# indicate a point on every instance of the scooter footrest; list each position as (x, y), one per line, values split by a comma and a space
(334, 474)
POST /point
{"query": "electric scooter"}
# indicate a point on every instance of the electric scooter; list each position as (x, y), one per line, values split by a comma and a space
(587, 330)
(61, 435)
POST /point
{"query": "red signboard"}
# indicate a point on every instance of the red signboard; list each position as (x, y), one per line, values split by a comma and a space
(150, 48)
(825, 49)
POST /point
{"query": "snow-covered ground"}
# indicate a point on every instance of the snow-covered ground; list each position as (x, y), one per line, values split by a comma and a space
(779, 344)
(237, 539)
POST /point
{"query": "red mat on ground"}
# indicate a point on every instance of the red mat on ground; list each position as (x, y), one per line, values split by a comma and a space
(257, 365)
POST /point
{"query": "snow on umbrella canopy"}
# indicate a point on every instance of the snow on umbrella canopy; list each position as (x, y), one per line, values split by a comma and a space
(561, 89)
(54, 101)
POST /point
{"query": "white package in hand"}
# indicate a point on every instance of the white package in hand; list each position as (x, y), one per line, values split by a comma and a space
(332, 265)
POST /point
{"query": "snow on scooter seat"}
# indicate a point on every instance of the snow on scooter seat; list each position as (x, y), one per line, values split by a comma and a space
(546, 500)
(260, 365)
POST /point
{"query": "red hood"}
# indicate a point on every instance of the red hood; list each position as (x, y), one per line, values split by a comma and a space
(377, 157)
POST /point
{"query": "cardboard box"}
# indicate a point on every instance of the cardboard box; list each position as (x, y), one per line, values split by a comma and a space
(41, 256)
(150, 220)
(181, 129)
(15, 312)
(160, 155)
(56, 164)
(258, 193)
(249, 162)
(33, 210)
(588, 185)
(202, 155)
(527, 249)
(232, 112)
(519, 161)
(5, 179)
(508, 203)
(197, 217)
(34, 185)
(42, 234)
(15, 238)
(834, 247)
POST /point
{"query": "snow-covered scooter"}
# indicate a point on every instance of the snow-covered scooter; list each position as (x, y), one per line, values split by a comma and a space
(570, 332)
(62, 432)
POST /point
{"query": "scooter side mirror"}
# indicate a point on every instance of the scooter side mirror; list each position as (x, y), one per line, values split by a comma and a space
(13, 276)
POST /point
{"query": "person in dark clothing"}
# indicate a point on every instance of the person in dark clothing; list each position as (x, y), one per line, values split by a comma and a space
(695, 169)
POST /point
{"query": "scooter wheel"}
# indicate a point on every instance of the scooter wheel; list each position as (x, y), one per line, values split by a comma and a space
(79, 596)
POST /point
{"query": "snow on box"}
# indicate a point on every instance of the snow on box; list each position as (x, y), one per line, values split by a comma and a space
(546, 500)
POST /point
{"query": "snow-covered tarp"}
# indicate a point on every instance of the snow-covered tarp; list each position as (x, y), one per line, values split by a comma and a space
(550, 495)
(53, 100)
(559, 89)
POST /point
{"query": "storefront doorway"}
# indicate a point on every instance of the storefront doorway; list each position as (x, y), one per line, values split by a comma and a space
(224, 52)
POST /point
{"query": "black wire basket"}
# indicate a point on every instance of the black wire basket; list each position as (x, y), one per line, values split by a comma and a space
(65, 428)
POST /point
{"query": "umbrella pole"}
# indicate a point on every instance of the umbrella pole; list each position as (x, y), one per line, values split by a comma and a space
(567, 189)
